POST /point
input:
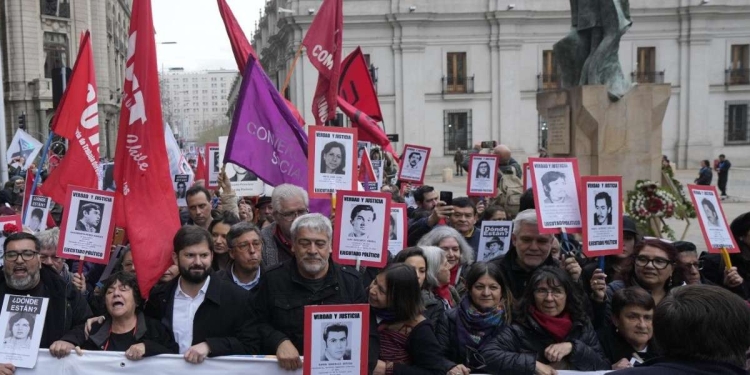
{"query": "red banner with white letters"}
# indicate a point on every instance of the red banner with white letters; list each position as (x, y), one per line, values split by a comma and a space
(323, 42)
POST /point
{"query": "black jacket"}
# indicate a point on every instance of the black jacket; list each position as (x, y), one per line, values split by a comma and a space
(446, 332)
(155, 337)
(704, 176)
(519, 345)
(516, 276)
(616, 348)
(424, 352)
(434, 308)
(665, 366)
(224, 320)
(66, 311)
(226, 275)
(713, 269)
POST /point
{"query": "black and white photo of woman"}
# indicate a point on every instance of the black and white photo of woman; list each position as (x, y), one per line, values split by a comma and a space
(20, 329)
(483, 170)
(333, 158)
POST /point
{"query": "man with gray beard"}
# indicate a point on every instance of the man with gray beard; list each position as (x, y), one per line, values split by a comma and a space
(310, 278)
(25, 275)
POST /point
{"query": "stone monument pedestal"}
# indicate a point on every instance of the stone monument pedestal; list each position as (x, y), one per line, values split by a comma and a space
(608, 138)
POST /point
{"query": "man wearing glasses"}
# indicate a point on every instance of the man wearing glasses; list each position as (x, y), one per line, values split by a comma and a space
(288, 202)
(245, 246)
(461, 215)
(687, 260)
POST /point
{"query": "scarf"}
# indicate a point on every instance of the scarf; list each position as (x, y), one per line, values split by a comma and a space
(444, 292)
(557, 326)
(474, 326)
(384, 316)
(454, 274)
(286, 245)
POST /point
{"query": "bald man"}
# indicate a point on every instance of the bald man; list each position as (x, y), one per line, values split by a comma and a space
(506, 161)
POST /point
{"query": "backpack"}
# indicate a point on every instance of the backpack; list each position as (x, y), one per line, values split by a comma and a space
(509, 192)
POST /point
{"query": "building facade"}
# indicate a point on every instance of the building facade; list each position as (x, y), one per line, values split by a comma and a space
(451, 76)
(194, 102)
(39, 41)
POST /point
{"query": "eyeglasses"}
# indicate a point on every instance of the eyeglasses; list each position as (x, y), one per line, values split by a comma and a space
(44, 258)
(697, 265)
(555, 292)
(289, 216)
(245, 246)
(658, 263)
(25, 255)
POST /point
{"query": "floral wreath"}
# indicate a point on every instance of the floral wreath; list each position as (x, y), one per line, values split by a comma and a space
(649, 205)
(9, 228)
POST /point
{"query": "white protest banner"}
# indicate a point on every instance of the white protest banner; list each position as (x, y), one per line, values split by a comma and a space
(482, 181)
(361, 230)
(213, 164)
(494, 240)
(38, 207)
(713, 222)
(24, 146)
(331, 160)
(87, 225)
(555, 184)
(601, 210)
(244, 183)
(397, 228)
(413, 164)
(23, 321)
(182, 182)
(12, 220)
(336, 339)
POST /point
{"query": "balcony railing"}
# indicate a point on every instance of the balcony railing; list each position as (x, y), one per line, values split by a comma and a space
(56, 8)
(737, 77)
(457, 87)
(548, 82)
(647, 77)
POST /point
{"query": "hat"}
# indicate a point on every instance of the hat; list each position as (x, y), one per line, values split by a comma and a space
(740, 225)
(496, 240)
(628, 225)
(262, 201)
(682, 246)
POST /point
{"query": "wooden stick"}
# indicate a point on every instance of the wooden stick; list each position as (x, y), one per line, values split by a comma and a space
(725, 256)
(80, 265)
(291, 70)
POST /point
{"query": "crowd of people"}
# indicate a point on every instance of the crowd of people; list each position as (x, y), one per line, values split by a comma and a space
(244, 270)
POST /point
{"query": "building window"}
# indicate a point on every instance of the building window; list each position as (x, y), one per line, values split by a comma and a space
(456, 67)
(456, 130)
(739, 71)
(549, 76)
(56, 54)
(646, 65)
(60, 8)
(736, 129)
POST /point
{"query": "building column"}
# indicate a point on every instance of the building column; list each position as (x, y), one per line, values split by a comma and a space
(511, 133)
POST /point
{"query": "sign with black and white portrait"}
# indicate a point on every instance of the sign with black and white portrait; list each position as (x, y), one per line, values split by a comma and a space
(23, 321)
(362, 228)
(495, 239)
(413, 164)
(602, 215)
(213, 164)
(363, 147)
(244, 182)
(378, 166)
(332, 160)
(482, 181)
(87, 225)
(336, 339)
(38, 210)
(397, 228)
(555, 184)
(181, 183)
(711, 216)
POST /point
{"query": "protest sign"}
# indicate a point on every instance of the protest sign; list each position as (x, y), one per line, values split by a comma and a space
(413, 163)
(363, 147)
(397, 228)
(87, 225)
(23, 146)
(332, 160)
(527, 182)
(14, 220)
(482, 181)
(555, 184)
(494, 240)
(379, 167)
(182, 182)
(23, 319)
(713, 222)
(336, 339)
(213, 160)
(601, 210)
(361, 230)
(244, 182)
(407, 191)
(38, 207)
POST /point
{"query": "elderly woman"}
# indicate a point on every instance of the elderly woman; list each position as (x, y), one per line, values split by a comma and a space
(458, 252)
(415, 257)
(463, 332)
(438, 276)
(630, 338)
(123, 328)
(407, 341)
(550, 331)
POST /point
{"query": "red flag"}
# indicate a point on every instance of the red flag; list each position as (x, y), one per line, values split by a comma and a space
(201, 171)
(356, 85)
(368, 129)
(323, 43)
(77, 120)
(145, 204)
(367, 173)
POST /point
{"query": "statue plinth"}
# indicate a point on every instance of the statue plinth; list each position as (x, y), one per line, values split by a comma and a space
(621, 138)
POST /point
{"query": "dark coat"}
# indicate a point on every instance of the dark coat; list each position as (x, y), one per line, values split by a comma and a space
(616, 348)
(446, 332)
(224, 320)
(518, 346)
(704, 176)
(226, 275)
(665, 366)
(516, 276)
(424, 352)
(434, 308)
(713, 269)
(67, 309)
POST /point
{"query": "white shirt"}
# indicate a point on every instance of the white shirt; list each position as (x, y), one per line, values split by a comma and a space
(249, 285)
(183, 313)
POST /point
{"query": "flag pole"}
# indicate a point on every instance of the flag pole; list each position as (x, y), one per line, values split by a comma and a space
(3, 133)
(291, 70)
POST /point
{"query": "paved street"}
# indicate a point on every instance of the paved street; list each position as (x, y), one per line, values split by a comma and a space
(738, 203)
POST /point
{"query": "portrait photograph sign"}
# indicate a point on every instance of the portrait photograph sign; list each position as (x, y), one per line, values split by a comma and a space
(601, 211)
(494, 240)
(213, 164)
(555, 184)
(336, 340)
(244, 182)
(711, 217)
(397, 228)
(407, 191)
(5, 220)
(332, 160)
(482, 181)
(363, 147)
(38, 210)
(87, 225)
(181, 183)
(413, 164)
(527, 183)
(378, 167)
(22, 319)
(362, 228)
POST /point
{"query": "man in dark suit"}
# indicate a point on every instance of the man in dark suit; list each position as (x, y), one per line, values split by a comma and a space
(90, 215)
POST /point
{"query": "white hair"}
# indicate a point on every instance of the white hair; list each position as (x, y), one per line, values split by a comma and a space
(524, 217)
(286, 192)
(313, 222)
(435, 257)
(439, 233)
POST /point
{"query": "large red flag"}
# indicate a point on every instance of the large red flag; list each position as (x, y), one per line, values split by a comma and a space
(323, 43)
(77, 120)
(367, 173)
(201, 171)
(368, 129)
(145, 203)
(356, 85)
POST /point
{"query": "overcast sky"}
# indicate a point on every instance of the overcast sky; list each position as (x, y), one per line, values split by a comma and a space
(196, 26)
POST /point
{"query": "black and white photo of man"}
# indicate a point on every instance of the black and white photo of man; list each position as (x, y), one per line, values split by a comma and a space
(216, 161)
(392, 231)
(493, 248)
(333, 158)
(483, 170)
(242, 174)
(603, 209)
(336, 337)
(414, 158)
(710, 212)
(362, 216)
(181, 190)
(555, 188)
(89, 217)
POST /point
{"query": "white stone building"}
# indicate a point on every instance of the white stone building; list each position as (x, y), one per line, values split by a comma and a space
(38, 37)
(451, 73)
(196, 101)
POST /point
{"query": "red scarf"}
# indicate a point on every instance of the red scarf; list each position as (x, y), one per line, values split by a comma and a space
(280, 236)
(558, 326)
(444, 292)
(454, 274)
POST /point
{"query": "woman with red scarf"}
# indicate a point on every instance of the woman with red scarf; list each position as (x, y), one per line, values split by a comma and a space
(459, 253)
(438, 276)
(551, 331)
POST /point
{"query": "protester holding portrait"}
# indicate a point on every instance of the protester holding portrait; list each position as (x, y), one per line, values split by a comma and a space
(714, 269)
(461, 215)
